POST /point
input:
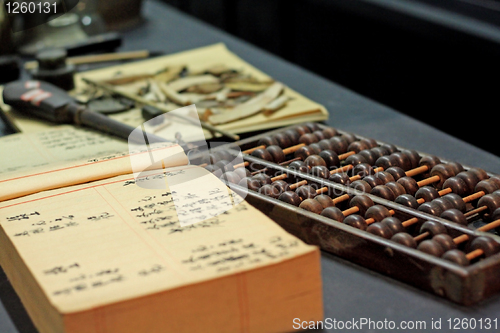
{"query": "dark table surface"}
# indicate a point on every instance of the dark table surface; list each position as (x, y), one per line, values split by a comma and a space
(350, 291)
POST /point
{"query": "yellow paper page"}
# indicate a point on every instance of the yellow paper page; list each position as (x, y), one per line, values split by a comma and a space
(113, 240)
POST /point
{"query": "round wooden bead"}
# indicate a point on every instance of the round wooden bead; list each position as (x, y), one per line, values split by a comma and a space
(224, 155)
(430, 161)
(304, 152)
(487, 186)
(357, 146)
(281, 185)
(372, 143)
(356, 221)
(355, 159)
(456, 201)
(333, 213)
(431, 208)
(414, 157)
(362, 202)
(390, 148)
(457, 185)
(386, 162)
(302, 129)
(276, 153)
(431, 247)
(263, 179)
(283, 140)
(324, 200)
(231, 177)
(410, 185)
(290, 197)
(456, 256)
(385, 177)
(251, 184)
(454, 215)
(217, 172)
(404, 239)
(470, 180)
(496, 215)
(372, 181)
(443, 171)
(340, 178)
(314, 160)
(433, 228)
(330, 157)
(308, 138)
(316, 148)
(394, 224)
(306, 192)
(325, 144)
(350, 137)
(443, 203)
(380, 230)
(224, 165)
(330, 132)
(369, 156)
(403, 161)
(320, 171)
(445, 241)
(456, 167)
(210, 159)
(339, 144)
(293, 135)
(270, 191)
(311, 205)
(299, 166)
(312, 126)
(491, 201)
(479, 173)
(319, 135)
(396, 188)
(242, 172)
(361, 185)
(377, 212)
(383, 191)
(379, 152)
(427, 193)
(263, 154)
(211, 168)
(267, 141)
(487, 244)
(407, 200)
(363, 170)
(396, 172)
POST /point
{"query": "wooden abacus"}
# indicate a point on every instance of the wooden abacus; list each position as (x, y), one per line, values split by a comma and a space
(415, 217)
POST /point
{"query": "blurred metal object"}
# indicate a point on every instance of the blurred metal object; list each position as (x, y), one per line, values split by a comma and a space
(120, 14)
(53, 68)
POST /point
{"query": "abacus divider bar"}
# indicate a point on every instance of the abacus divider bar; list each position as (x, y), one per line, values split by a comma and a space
(416, 171)
(428, 181)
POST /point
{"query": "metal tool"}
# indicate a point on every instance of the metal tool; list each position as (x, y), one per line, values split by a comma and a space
(49, 102)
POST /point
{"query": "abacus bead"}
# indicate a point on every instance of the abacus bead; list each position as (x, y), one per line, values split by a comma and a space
(325, 144)
(302, 129)
(281, 185)
(231, 177)
(369, 156)
(470, 180)
(456, 256)
(427, 193)
(407, 200)
(314, 160)
(445, 241)
(362, 169)
(290, 197)
(491, 201)
(377, 212)
(312, 126)
(277, 153)
(404, 239)
(431, 208)
(496, 215)
(224, 165)
(433, 228)
(355, 159)
(316, 148)
(340, 178)
(430, 161)
(380, 230)
(362, 202)
(308, 138)
(456, 201)
(330, 157)
(431, 247)
(293, 136)
(383, 191)
(396, 188)
(320, 171)
(444, 171)
(390, 148)
(339, 144)
(402, 160)
(394, 224)
(211, 168)
(396, 172)
(304, 152)
(361, 185)
(262, 154)
(333, 213)
(306, 192)
(457, 185)
(454, 215)
(330, 132)
(456, 167)
(487, 244)
(267, 141)
(356, 221)
(324, 200)
(410, 184)
(311, 205)
(299, 166)
(372, 180)
(263, 179)
(385, 177)
(386, 162)
(349, 137)
(319, 135)
(242, 172)
(251, 184)
(379, 152)
(358, 146)
(224, 155)
(443, 203)
(414, 157)
(495, 179)
(283, 140)
(210, 159)
(270, 191)
(487, 186)
(479, 173)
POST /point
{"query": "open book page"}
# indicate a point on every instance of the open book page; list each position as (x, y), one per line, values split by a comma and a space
(113, 240)
(67, 155)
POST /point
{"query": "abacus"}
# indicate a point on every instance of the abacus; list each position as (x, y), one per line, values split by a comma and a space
(412, 216)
